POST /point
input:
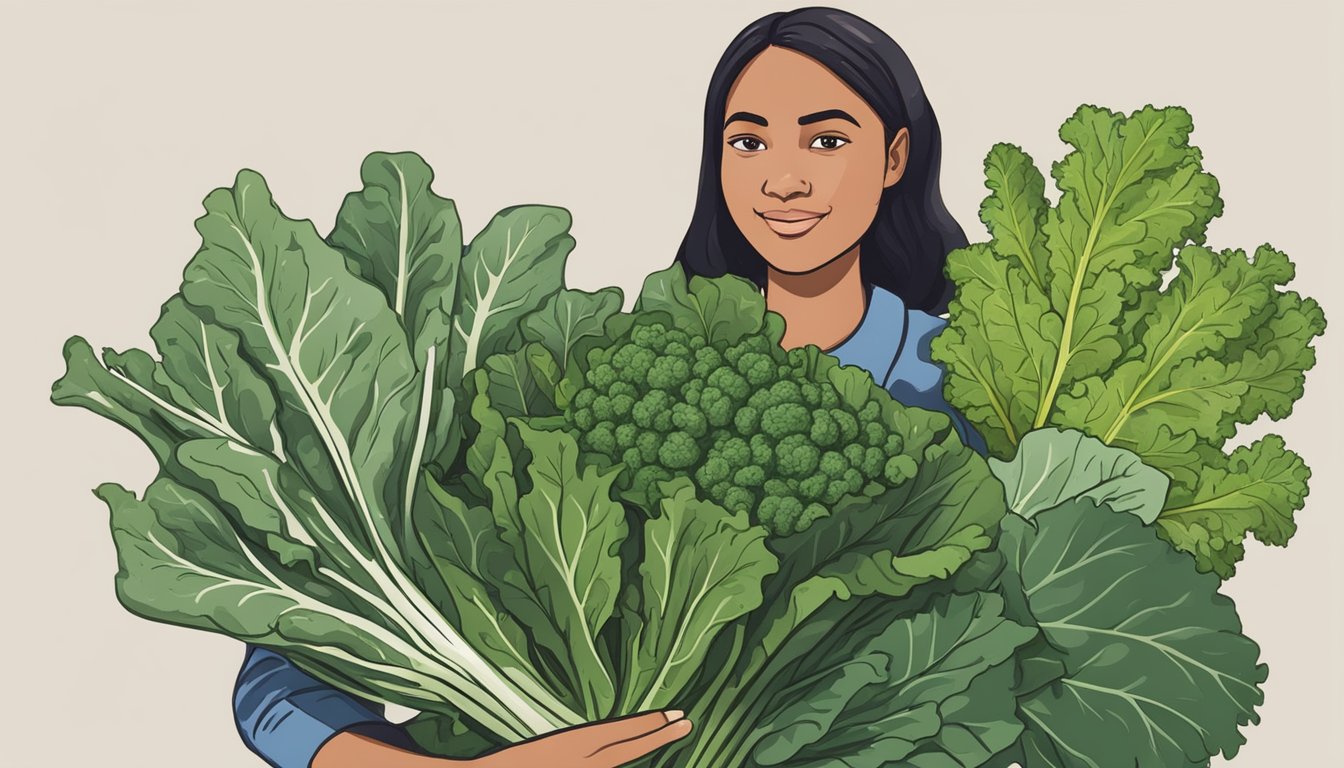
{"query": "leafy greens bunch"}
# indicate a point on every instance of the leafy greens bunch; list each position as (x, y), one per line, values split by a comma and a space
(421, 469)
(1062, 320)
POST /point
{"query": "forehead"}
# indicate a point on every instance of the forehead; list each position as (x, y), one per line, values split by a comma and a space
(781, 84)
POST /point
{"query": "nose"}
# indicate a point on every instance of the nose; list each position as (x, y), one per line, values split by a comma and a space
(786, 187)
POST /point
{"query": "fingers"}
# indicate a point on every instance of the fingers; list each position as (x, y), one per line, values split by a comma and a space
(629, 750)
(591, 738)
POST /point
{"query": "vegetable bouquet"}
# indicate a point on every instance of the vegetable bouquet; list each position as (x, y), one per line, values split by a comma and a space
(431, 474)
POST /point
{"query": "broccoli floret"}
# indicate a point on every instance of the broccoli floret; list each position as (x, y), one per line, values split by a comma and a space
(714, 471)
(853, 480)
(719, 490)
(696, 342)
(602, 410)
(779, 421)
(811, 394)
(739, 499)
(601, 377)
(624, 388)
(662, 421)
(762, 451)
(584, 398)
(829, 397)
(636, 371)
(648, 443)
(632, 460)
(833, 464)
(780, 514)
(690, 391)
(787, 391)
(811, 513)
(775, 486)
(812, 488)
(718, 409)
(760, 400)
(835, 490)
(848, 425)
(649, 406)
(731, 383)
(602, 438)
(734, 354)
(874, 434)
(584, 419)
(701, 369)
(757, 368)
(689, 419)
(825, 432)
(669, 372)
(870, 411)
(895, 445)
(677, 349)
(737, 452)
(646, 476)
(652, 336)
(747, 420)
(898, 469)
(873, 461)
(750, 476)
(678, 451)
(621, 406)
(796, 456)
(853, 453)
(626, 434)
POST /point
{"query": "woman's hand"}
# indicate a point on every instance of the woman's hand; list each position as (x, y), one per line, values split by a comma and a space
(607, 744)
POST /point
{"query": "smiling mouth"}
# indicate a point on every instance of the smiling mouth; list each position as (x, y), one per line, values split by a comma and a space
(792, 223)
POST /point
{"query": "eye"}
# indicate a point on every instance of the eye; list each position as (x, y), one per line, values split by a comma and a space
(747, 144)
(829, 142)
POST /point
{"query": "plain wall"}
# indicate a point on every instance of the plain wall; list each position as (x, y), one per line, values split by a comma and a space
(118, 118)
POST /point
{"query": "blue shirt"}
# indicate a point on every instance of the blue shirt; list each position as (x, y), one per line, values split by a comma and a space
(285, 715)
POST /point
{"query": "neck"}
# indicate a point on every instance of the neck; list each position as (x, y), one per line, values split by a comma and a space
(820, 307)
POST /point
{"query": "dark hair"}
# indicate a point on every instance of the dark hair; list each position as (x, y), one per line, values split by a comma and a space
(905, 249)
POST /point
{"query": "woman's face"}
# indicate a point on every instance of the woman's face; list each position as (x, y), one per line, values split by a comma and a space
(804, 161)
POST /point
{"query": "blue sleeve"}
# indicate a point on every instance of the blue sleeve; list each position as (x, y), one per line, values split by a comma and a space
(285, 715)
(915, 379)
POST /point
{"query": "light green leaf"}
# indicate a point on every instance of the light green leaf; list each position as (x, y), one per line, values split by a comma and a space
(570, 322)
(1016, 209)
(703, 567)
(1256, 491)
(1055, 466)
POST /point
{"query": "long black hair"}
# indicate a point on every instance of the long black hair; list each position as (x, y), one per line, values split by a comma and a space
(905, 249)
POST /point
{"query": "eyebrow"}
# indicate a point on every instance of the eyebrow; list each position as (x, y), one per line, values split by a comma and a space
(828, 114)
(749, 117)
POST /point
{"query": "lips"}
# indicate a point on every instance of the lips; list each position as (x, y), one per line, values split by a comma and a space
(793, 222)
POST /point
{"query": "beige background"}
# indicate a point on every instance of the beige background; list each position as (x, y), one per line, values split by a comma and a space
(118, 118)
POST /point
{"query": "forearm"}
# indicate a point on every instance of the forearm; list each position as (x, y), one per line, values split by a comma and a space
(353, 750)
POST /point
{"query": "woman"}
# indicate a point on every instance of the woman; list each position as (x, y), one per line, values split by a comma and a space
(819, 181)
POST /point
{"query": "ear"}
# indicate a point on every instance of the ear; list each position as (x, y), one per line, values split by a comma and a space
(897, 155)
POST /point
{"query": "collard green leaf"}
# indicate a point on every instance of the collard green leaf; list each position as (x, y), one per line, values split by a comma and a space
(565, 538)
(703, 567)
(1054, 466)
(725, 309)
(403, 238)
(879, 687)
(508, 272)
(571, 322)
(336, 352)
(1016, 209)
(1157, 671)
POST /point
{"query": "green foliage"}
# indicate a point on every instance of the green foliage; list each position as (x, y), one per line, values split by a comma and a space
(1062, 320)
